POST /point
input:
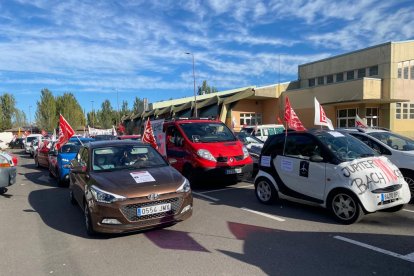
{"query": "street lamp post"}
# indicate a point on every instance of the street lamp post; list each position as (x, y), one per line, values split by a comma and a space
(30, 118)
(93, 121)
(117, 103)
(195, 97)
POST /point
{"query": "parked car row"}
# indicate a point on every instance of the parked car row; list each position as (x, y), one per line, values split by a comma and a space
(8, 164)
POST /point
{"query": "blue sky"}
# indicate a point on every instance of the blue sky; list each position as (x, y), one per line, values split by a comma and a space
(95, 49)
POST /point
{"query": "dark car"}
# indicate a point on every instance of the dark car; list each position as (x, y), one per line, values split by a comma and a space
(253, 145)
(18, 143)
(41, 155)
(125, 186)
(136, 137)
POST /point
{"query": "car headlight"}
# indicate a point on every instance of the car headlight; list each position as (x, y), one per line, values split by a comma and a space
(205, 154)
(245, 152)
(185, 187)
(103, 196)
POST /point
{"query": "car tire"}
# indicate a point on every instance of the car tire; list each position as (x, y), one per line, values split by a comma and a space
(345, 207)
(409, 178)
(395, 208)
(61, 183)
(50, 173)
(71, 197)
(189, 174)
(3, 190)
(265, 191)
(88, 220)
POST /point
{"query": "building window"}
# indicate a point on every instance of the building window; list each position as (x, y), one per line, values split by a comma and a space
(399, 72)
(339, 77)
(404, 111)
(250, 119)
(329, 79)
(406, 72)
(346, 117)
(311, 82)
(361, 73)
(412, 71)
(372, 117)
(321, 80)
(373, 70)
(350, 75)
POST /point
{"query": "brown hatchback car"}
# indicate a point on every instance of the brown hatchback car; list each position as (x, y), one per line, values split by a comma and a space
(125, 186)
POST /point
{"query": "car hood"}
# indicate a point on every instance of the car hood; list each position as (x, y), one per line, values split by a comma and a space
(232, 148)
(160, 180)
(68, 156)
(370, 173)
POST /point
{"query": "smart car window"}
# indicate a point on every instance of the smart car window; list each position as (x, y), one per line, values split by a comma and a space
(301, 146)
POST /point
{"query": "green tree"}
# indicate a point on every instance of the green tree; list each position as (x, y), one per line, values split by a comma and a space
(138, 106)
(69, 107)
(91, 118)
(106, 116)
(124, 109)
(8, 109)
(46, 116)
(206, 89)
(19, 119)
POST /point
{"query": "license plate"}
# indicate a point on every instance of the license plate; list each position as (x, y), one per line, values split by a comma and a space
(389, 196)
(149, 210)
(233, 171)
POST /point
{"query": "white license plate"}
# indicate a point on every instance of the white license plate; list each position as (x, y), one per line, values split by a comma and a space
(390, 196)
(233, 171)
(149, 210)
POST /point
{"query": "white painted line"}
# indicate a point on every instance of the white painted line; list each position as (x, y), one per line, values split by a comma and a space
(205, 196)
(409, 257)
(225, 189)
(408, 210)
(263, 214)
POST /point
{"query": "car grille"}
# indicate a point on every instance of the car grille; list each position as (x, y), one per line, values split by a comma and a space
(388, 189)
(225, 159)
(130, 211)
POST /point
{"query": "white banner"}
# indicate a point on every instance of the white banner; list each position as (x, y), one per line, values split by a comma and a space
(96, 131)
(320, 116)
(159, 135)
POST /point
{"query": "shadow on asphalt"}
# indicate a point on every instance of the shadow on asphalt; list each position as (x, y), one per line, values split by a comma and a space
(279, 252)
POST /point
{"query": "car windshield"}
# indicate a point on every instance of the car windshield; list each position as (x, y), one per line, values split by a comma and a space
(208, 132)
(344, 146)
(30, 139)
(126, 157)
(69, 148)
(393, 140)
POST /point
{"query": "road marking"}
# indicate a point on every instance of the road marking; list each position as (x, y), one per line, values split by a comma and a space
(225, 189)
(206, 196)
(408, 210)
(263, 214)
(409, 257)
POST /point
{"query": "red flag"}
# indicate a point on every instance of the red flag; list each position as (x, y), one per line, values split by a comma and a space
(65, 132)
(148, 136)
(359, 122)
(291, 118)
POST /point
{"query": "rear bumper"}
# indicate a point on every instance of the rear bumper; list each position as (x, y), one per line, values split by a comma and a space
(7, 176)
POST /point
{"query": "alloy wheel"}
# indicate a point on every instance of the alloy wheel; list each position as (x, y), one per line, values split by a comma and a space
(264, 191)
(410, 182)
(344, 206)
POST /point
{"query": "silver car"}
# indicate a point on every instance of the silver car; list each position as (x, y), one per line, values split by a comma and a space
(7, 172)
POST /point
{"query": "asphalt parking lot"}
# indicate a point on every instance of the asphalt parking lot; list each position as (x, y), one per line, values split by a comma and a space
(230, 233)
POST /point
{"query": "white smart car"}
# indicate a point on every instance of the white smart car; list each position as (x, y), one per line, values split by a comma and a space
(330, 169)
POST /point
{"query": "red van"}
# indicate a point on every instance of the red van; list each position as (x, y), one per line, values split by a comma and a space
(205, 149)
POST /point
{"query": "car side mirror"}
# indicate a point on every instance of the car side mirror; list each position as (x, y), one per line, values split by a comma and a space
(172, 161)
(316, 158)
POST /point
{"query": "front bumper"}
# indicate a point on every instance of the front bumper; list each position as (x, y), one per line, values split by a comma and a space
(125, 212)
(373, 202)
(224, 172)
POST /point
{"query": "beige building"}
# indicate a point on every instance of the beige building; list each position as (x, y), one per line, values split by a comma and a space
(377, 83)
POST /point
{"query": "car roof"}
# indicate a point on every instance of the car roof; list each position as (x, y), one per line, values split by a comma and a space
(263, 126)
(109, 143)
(362, 130)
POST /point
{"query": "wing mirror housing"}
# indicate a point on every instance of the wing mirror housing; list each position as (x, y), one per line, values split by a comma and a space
(316, 158)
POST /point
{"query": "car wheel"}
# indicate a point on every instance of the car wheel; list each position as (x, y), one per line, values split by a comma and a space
(71, 197)
(88, 220)
(265, 191)
(395, 208)
(3, 190)
(345, 208)
(61, 183)
(189, 174)
(409, 177)
(50, 172)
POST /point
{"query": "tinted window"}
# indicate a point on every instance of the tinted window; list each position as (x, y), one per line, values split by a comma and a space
(301, 146)
(371, 143)
(394, 140)
(69, 148)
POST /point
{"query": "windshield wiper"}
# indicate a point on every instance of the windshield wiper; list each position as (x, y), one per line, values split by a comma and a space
(367, 154)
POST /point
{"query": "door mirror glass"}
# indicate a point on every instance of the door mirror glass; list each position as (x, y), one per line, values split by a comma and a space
(316, 158)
